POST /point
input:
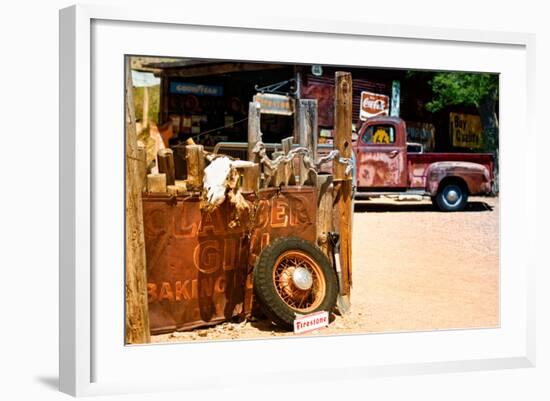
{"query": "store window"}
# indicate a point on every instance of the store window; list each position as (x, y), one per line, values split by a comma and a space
(379, 135)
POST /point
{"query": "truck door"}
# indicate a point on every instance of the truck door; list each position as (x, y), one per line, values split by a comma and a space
(381, 155)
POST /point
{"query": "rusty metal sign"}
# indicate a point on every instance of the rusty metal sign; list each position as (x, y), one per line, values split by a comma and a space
(198, 268)
(465, 130)
(275, 104)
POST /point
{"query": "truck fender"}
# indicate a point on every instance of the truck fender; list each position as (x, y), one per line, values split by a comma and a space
(475, 176)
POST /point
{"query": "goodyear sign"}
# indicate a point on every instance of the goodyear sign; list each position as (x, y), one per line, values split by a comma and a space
(465, 130)
(187, 88)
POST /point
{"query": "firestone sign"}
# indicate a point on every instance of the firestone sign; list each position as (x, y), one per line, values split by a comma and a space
(311, 322)
(374, 104)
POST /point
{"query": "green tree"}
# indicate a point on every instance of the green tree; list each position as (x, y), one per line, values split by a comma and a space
(469, 89)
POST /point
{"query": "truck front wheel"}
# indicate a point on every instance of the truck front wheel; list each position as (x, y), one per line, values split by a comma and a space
(451, 198)
(291, 277)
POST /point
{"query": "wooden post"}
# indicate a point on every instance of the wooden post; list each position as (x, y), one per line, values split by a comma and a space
(290, 174)
(156, 182)
(180, 164)
(305, 125)
(303, 172)
(137, 311)
(253, 129)
(279, 173)
(142, 156)
(343, 182)
(165, 158)
(145, 107)
(195, 166)
(251, 178)
(325, 212)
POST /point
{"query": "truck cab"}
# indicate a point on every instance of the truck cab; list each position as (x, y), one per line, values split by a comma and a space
(381, 155)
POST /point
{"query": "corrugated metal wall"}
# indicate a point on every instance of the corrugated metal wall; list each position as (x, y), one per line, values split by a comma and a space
(322, 88)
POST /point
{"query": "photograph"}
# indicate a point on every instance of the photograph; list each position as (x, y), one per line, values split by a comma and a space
(267, 200)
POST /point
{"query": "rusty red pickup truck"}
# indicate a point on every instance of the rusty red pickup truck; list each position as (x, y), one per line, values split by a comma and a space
(387, 165)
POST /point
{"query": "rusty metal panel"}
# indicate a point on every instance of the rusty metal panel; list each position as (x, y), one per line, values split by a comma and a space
(381, 166)
(198, 268)
(289, 212)
(477, 177)
(322, 89)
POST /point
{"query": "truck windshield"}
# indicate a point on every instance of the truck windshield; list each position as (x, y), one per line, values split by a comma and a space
(378, 135)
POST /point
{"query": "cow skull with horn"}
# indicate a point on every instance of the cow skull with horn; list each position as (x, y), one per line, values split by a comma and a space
(220, 180)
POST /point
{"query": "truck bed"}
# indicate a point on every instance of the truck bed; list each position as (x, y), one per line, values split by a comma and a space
(481, 158)
(419, 162)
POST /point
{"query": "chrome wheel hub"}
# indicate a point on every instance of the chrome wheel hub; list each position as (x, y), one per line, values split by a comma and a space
(452, 196)
(302, 278)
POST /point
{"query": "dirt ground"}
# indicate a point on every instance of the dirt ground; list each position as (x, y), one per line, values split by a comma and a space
(413, 269)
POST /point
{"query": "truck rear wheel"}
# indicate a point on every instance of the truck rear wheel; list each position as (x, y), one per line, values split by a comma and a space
(452, 197)
(293, 276)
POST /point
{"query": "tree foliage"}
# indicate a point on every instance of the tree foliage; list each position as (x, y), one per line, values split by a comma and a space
(458, 88)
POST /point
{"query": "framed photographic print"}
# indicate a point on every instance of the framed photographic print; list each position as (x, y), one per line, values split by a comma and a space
(234, 191)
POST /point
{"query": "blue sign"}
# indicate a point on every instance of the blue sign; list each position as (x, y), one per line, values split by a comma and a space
(186, 88)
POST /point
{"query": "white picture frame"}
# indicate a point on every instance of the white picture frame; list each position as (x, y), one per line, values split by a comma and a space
(92, 363)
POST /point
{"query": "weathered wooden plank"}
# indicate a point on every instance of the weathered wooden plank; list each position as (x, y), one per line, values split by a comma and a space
(290, 174)
(137, 313)
(253, 130)
(156, 182)
(305, 125)
(251, 178)
(195, 166)
(142, 174)
(325, 212)
(216, 68)
(165, 159)
(279, 173)
(343, 182)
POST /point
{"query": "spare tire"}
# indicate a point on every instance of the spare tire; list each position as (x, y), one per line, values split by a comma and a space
(293, 277)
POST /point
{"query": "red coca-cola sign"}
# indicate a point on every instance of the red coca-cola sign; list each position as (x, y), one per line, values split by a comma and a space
(374, 104)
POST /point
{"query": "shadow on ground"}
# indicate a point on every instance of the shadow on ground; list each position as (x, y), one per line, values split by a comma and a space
(266, 325)
(49, 381)
(370, 206)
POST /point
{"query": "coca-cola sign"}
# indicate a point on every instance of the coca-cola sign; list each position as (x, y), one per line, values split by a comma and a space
(374, 104)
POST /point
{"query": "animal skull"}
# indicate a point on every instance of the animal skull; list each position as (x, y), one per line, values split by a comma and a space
(220, 175)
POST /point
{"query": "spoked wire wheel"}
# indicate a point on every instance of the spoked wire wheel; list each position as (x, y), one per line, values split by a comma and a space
(293, 277)
(299, 281)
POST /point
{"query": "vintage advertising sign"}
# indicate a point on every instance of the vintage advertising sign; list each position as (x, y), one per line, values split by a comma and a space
(373, 104)
(199, 265)
(465, 130)
(187, 88)
(311, 322)
(423, 133)
(275, 104)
